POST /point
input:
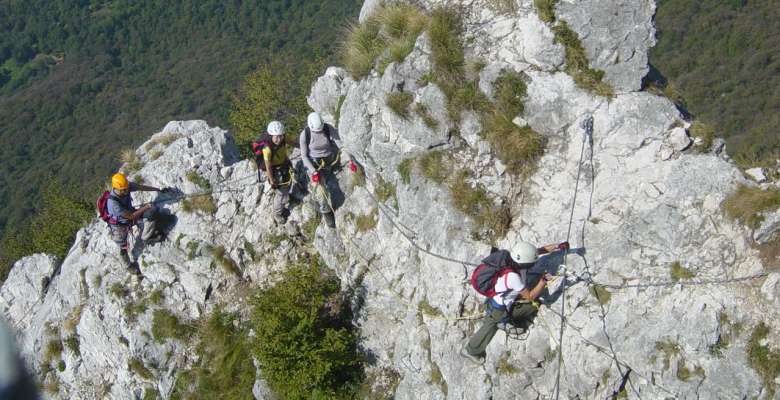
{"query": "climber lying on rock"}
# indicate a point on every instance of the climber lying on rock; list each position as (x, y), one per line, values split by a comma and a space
(510, 299)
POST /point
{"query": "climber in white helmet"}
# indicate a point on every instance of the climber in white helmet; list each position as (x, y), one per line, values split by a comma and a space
(320, 148)
(510, 296)
(271, 156)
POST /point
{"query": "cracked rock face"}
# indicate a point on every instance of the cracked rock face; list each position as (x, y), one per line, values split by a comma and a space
(647, 206)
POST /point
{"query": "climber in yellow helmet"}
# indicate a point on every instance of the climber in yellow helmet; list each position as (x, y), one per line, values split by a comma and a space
(116, 208)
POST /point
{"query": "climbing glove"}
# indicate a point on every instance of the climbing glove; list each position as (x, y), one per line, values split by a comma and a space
(563, 246)
(352, 166)
(315, 177)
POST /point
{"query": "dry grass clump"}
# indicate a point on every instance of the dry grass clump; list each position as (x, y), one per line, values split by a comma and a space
(435, 166)
(365, 223)
(747, 204)
(399, 102)
(131, 161)
(225, 261)
(492, 221)
(424, 113)
(386, 36)
(704, 132)
(203, 204)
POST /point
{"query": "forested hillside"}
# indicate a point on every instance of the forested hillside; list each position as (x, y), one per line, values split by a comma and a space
(80, 80)
(724, 57)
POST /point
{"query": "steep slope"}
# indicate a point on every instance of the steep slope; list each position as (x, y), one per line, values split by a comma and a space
(664, 296)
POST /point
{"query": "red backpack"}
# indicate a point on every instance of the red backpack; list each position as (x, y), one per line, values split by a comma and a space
(494, 266)
(102, 207)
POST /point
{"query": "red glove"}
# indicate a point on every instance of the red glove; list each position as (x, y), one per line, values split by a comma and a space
(563, 246)
(315, 177)
(352, 166)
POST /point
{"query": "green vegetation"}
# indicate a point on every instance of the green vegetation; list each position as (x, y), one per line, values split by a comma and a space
(61, 366)
(52, 230)
(151, 394)
(157, 297)
(405, 170)
(503, 367)
(704, 132)
(728, 331)
(130, 161)
(492, 221)
(747, 204)
(518, 148)
(166, 325)
(765, 361)
(384, 190)
(118, 290)
(386, 36)
(738, 96)
(425, 308)
(80, 80)
(684, 374)
(677, 272)
(194, 177)
(546, 10)
(224, 369)
(577, 62)
(670, 349)
(425, 114)
(138, 368)
(133, 309)
(53, 350)
(400, 102)
(72, 344)
(380, 384)
(438, 379)
(309, 228)
(305, 343)
(367, 222)
(224, 260)
(203, 204)
(435, 165)
(600, 293)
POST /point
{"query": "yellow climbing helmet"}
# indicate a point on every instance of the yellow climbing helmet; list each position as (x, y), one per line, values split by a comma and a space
(119, 182)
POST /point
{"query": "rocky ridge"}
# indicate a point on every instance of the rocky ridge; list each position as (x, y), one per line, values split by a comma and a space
(647, 202)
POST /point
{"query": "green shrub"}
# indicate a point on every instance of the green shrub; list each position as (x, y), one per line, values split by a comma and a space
(546, 10)
(577, 64)
(52, 229)
(166, 325)
(384, 190)
(224, 369)
(157, 297)
(224, 260)
(52, 350)
(435, 166)
(137, 367)
(747, 204)
(425, 114)
(765, 361)
(402, 24)
(399, 102)
(405, 170)
(203, 204)
(151, 394)
(72, 343)
(367, 222)
(467, 96)
(518, 148)
(678, 272)
(305, 348)
(445, 31)
(133, 309)
(195, 178)
(492, 221)
(704, 132)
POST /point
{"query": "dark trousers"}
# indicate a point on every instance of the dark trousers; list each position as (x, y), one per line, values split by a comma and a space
(521, 315)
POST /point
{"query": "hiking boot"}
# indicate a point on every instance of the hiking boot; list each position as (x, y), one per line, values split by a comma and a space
(465, 353)
(330, 219)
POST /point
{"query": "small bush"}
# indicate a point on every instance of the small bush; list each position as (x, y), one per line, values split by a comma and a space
(747, 204)
(546, 10)
(305, 344)
(166, 325)
(131, 161)
(402, 24)
(704, 132)
(424, 113)
(72, 344)
(399, 102)
(133, 310)
(600, 293)
(445, 31)
(157, 297)
(384, 190)
(518, 148)
(52, 350)
(61, 366)
(577, 64)
(678, 272)
(195, 178)
(435, 166)
(137, 367)
(224, 369)
(365, 223)
(359, 178)
(765, 361)
(203, 204)
(405, 170)
(275, 239)
(224, 260)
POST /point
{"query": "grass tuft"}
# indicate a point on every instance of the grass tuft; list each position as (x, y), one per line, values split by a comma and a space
(203, 204)
(425, 308)
(166, 325)
(669, 348)
(546, 10)
(492, 221)
(503, 367)
(195, 178)
(405, 170)
(577, 64)
(600, 293)
(677, 272)
(435, 166)
(765, 361)
(365, 223)
(118, 290)
(747, 204)
(131, 161)
(424, 113)
(137, 367)
(224, 260)
(399, 103)
(704, 132)
(384, 190)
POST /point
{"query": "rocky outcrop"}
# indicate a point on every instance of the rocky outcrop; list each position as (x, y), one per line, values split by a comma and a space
(645, 212)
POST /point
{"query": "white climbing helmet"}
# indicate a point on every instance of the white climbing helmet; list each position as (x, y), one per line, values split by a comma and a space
(526, 253)
(275, 128)
(314, 121)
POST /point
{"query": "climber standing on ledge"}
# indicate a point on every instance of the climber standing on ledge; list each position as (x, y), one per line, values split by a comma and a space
(510, 299)
(320, 149)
